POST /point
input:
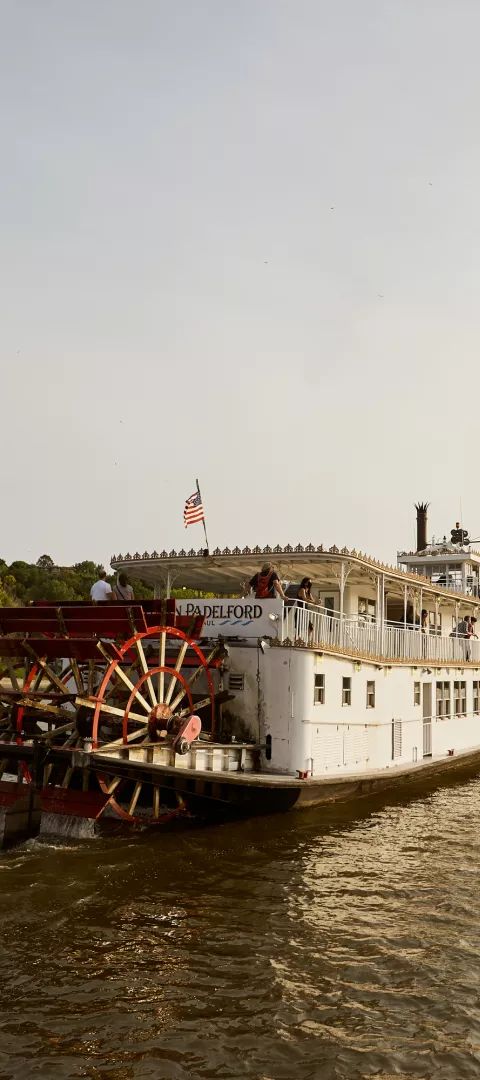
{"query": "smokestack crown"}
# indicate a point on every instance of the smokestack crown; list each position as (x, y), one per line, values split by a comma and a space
(421, 509)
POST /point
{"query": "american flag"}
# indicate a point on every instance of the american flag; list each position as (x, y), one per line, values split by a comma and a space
(193, 511)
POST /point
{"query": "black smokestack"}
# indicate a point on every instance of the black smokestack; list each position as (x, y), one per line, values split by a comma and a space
(421, 509)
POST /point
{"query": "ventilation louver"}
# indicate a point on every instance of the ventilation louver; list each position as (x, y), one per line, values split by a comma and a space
(236, 681)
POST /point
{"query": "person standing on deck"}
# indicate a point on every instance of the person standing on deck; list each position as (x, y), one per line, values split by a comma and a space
(463, 630)
(123, 591)
(305, 592)
(101, 592)
(305, 599)
(266, 584)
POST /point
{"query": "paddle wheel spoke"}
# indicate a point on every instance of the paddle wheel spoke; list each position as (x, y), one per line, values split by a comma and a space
(190, 682)
(144, 666)
(178, 664)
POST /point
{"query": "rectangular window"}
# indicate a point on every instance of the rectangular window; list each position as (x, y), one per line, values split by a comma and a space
(443, 700)
(460, 698)
(370, 695)
(476, 696)
(366, 608)
(416, 694)
(346, 691)
(319, 690)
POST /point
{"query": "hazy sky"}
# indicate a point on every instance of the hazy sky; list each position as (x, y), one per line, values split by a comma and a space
(239, 241)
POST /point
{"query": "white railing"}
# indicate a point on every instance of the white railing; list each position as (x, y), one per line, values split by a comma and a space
(316, 626)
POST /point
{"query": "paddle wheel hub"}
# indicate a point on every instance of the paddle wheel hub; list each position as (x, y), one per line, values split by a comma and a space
(159, 721)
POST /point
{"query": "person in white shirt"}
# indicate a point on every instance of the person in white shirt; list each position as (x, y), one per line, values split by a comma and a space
(101, 591)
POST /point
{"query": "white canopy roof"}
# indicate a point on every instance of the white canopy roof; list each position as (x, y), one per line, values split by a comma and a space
(227, 572)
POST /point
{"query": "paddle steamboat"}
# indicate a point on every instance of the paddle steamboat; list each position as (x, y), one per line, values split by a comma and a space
(228, 701)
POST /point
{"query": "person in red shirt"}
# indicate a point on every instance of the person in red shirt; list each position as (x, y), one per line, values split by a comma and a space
(266, 584)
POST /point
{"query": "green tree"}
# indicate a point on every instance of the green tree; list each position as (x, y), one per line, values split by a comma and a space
(45, 562)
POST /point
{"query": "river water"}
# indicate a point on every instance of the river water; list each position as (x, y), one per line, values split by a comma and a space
(331, 945)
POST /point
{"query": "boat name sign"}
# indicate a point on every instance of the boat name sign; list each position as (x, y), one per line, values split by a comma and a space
(235, 618)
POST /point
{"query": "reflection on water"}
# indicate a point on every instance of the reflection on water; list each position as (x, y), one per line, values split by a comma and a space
(330, 945)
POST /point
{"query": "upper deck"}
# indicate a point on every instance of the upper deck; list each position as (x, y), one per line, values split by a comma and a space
(362, 606)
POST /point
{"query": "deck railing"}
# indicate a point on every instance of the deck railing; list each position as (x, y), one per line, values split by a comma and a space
(316, 626)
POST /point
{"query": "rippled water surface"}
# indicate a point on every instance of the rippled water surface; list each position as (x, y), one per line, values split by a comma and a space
(342, 945)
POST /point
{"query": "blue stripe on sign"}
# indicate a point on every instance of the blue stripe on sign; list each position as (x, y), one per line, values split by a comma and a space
(236, 622)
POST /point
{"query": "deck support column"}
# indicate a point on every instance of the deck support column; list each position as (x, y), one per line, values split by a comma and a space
(404, 607)
(342, 598)
(382, 614)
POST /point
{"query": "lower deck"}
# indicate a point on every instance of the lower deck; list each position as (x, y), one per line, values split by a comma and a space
(262, 792)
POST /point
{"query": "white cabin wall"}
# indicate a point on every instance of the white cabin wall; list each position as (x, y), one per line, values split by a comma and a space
(321, 594)
(334, 738)
(352, 594)
(241, 716)
(350, 602)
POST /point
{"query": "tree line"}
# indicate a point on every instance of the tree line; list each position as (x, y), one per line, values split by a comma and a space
(21, 582)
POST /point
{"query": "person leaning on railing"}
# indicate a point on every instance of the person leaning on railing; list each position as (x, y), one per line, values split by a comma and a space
(465, 630)
(305, 598)
(266, 583)
(305, 591)
(462, 628)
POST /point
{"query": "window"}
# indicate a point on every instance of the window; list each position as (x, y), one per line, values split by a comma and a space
(416, 694)
(346, 691)
(366, 608)
(370, 695)
(443, 700)
(460, 698)
(476, 696)
(319, 690)
(329, 603)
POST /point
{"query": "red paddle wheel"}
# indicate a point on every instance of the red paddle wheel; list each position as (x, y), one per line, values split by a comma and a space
(84, 677)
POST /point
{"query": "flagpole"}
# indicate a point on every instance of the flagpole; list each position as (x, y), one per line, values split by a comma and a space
(204, 525)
